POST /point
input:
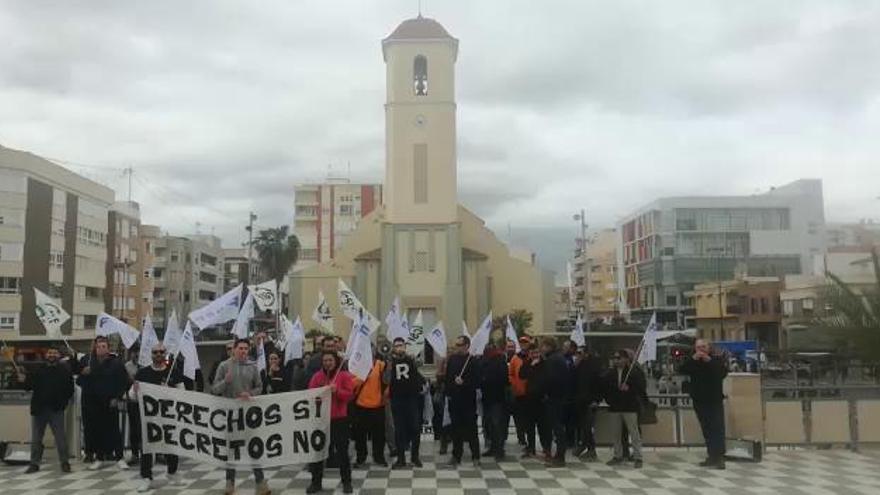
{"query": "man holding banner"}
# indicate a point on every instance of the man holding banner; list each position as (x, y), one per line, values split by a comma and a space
(239, 378)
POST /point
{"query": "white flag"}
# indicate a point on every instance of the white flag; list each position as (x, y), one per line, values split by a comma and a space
(415, 340)
(149, 339)
(261, 356)
(481, 338)
(108, 325)
(649, 342)
(322, 315)
(396, 321)
(437, 338)
(265, 295)
(50, 313)
(220, 310)
(353, 309)
(189, 353)
(577, 334)
(360, 355)
(243, 320)
(171, 340)
(295, 336)
(510, 334)
(464, 330)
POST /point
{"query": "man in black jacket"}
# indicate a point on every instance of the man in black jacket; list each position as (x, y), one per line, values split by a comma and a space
(462, 378)
(52, 387)
(103, 381)
(404, 388)
(588, 376)
(532, 371)
(707, 374)
(557, 376)
(493, 386)
(624, 387)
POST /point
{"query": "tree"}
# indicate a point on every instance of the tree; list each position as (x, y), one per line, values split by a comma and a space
(855, 313)
(520, 318)
(277, 251)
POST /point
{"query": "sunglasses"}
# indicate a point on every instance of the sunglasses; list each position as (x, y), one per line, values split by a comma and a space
(158, 352)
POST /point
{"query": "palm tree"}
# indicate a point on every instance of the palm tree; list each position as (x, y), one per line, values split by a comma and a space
(277, 250)
(855, 313)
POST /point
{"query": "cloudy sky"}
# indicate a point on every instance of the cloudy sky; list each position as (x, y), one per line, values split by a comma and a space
(222, 106)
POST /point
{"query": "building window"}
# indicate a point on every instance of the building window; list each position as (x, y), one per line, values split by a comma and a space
(7, 321)
(671, 300)
(787, 307)
(765, 308)
(9, 285)
(420, 172)
(345, 210)
(421, 261)
(420, 76)
(90, 321)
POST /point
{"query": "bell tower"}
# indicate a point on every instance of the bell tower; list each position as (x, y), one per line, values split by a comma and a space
(420, 140)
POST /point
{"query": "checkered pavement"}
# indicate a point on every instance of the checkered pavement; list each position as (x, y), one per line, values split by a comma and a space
(666, 471)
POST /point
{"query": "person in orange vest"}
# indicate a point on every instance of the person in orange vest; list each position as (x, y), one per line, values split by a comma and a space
(518, 387)
(369, 416)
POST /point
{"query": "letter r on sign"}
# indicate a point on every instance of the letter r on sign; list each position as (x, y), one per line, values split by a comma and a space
(402, 371)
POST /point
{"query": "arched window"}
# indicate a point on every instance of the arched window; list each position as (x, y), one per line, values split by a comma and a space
(420, 75)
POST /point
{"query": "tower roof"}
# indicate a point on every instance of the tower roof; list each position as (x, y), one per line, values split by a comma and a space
(419, 28)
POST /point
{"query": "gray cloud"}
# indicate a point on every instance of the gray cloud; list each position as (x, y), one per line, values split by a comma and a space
(222, 106)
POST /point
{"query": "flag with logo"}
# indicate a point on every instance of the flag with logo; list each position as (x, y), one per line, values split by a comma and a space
(481, 337)
(649, 342)
(265, 295)
(415, 340)
(171, 340)
(189, 353)
(360, 354)
(243, 320)
(353, 309)
(577, 333)
(108, 325)
(396, 321)
(50, 314)
(510, 334)
(149, 339)
(437, 339)
(322, 315)
(218, 311)
(295, 336)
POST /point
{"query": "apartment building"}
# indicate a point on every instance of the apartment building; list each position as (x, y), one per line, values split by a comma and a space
(594, 276)
(235, 268)
(672, 244)
(53, 237)
(127, 265)
(325, 214)
(746, 308)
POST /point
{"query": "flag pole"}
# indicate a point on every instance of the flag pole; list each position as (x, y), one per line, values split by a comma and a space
(466, 361)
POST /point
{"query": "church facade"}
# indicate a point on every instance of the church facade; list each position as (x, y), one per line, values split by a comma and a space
(421, 245)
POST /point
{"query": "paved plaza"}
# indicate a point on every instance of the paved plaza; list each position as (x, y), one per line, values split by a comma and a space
(666, 471)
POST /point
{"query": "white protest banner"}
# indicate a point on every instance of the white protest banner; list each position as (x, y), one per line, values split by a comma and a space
(265, 295)
(577, 334)
(322, 315)
(265, 431)
(396, 321)
(108, 325)
(243, 321)
(510, 334)
(360, 351)
(171, 340)
(415, 340)
(188, 351)
(481, 337)
(648, 351)
(220, 310)
(149, 339)
(353, 309)
(50, 314)
(437, 338)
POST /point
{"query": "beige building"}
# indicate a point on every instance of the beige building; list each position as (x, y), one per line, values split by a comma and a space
(235, 268)
(420, 244)
(326, 214)
(127, 265)
(749, 309)
(595, 276)
(53, 237)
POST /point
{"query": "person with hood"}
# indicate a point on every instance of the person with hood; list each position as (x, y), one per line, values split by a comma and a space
(404, 389)
(624, 387)
(493, 386)
(239, 378)
(706, 372)
(341, 385)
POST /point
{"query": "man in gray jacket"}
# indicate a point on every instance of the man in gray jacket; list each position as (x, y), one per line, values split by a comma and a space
(239, 378)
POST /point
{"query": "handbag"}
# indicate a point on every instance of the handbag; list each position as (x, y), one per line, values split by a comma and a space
(647, 413)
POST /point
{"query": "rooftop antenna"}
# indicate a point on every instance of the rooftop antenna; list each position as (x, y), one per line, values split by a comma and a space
(349, 170)
(420, 9)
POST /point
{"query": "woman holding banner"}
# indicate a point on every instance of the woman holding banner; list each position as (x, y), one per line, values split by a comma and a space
(341, 385)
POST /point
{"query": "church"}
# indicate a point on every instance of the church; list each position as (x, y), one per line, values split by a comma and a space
(421, 245)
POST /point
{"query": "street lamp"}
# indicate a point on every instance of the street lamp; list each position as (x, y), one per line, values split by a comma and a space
(582, 218)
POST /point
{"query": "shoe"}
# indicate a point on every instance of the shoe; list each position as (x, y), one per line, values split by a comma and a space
(637, 464)
(145, 485)
(417, 462)
(526, 455)
(314, 488)
(346, 488)
(443, 449)
(96, 465)
(453, 464)
(33, 468)
(399, 464)
(381, 462)
(121, 464)
(500, 458)
(230, 488)
(720, 466)
(134, 460)
(487, 453)
(591, 456)
(614, 461)
(579, 450)
(476, 463)
(176, 480)
(88, 459)
(65, 467)
(555, 463)
(358, 464)
(706, 463)
(262, 488)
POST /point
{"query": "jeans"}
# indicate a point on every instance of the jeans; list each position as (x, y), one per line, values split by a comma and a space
(518, 413)
(631, 420)
(369, 424)
(406, 422)
(55, 420)
(555, 414)
(496, 415)
(711, 417)
(134, 428)
(535, 421)
(586, 425)
(171, 461)
(339, 433)
(464, 429)
(258, 475)
(101, 422)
